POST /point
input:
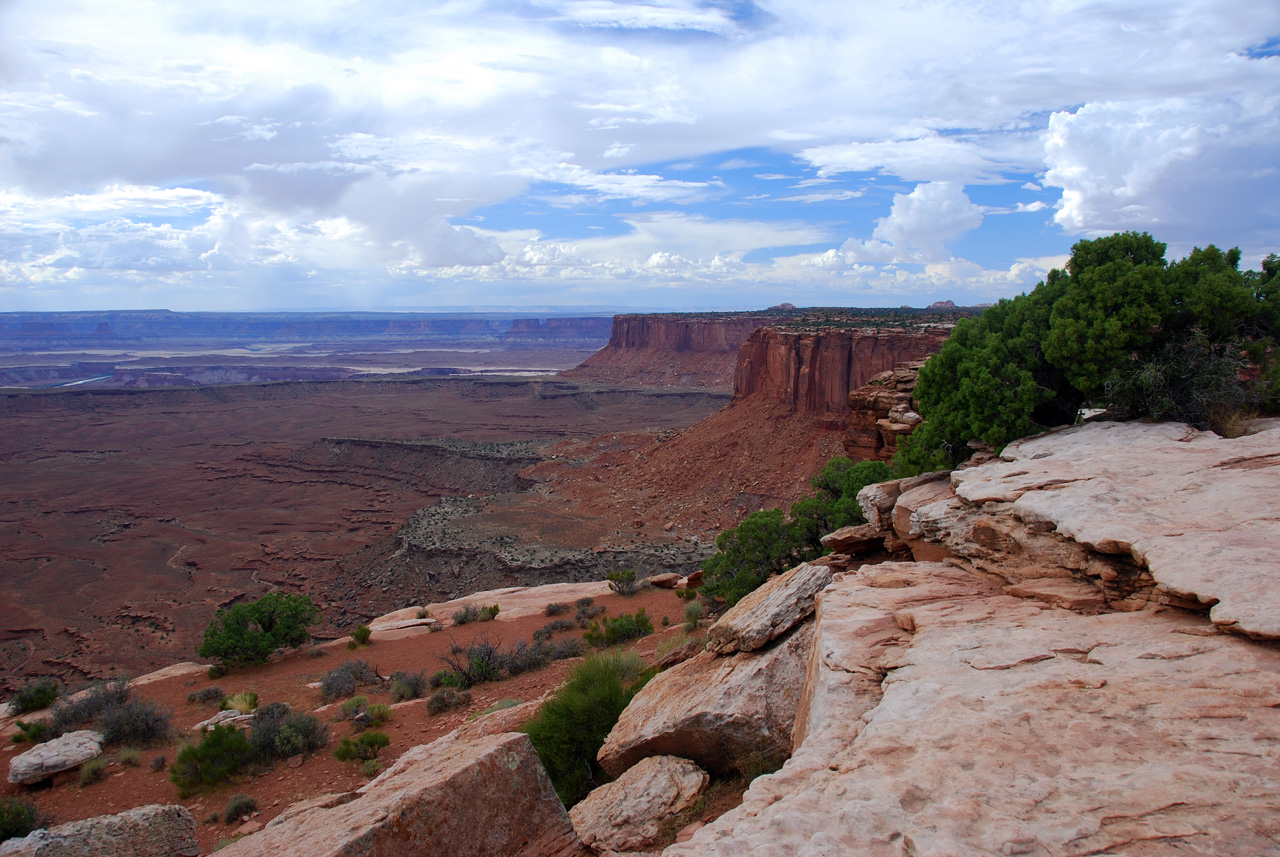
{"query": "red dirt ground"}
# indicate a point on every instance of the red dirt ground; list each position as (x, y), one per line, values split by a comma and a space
(285, 680)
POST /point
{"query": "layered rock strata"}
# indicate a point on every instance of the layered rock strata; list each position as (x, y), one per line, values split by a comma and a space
(63, 753)
(627, 814)
(883, 410)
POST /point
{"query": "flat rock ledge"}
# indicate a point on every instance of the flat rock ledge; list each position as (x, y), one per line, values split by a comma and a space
(457, 798)
(942, 716)
(626, 815)
(769, 611)
(61, 754)
(147, 831)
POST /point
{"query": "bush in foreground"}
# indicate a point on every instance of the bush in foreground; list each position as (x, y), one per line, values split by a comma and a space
(620, 629)
(216, 759)
(18, 817)
(572, 725)
(238, 807)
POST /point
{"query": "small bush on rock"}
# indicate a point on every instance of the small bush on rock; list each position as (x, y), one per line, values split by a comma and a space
(620, 629)
(446, 698)
(556, 608)
(405, 685)
(623, 582)
(360, 636)
(365, 746)
(212, 693)
(352, 707)
(467, 614)
(245, 702)
(35, 732)
(218, 757)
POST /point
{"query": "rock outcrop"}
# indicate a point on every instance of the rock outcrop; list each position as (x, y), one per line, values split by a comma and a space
(770, 611)
(481, 797)
(627, 814)
(883, 410)
(813, 372)
(148, 831)
(1060, 683)
(678, 350)
(716, 711)
(63, 753)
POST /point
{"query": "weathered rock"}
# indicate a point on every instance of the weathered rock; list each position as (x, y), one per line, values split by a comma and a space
(907, 524)
(61, 754)
(882, 411)
(227, 717)
(1196, 511)
(481, 797)
(877, 500)
(943, 717)
(853, 540)
(769, 611)
(665, 581)
(679, 654)
(713, 710)
(147, 831)
(627, 814)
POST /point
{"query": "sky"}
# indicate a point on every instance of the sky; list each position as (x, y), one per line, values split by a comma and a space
(604, 154)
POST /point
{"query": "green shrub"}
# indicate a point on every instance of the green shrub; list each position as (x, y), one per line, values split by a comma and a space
(693, 611)
(71, 714)
(587, 610)
(445, 678)
(343, 680)
(352, 707)
(488, 614)
(364, 746)
(18, 817)
(523, 658)
(584, 601)
(218, 757)
(212, 693)
(93, 771)
(36, 732)
(360, 636)
(1119, 328)
(405, 685)
(34, 696)
(466, 614)
(158, 763)
(620, 629)
(279, 732)
(370, 768)
(378, 714)
(238, 807)
(135, 721)
(245, 702)
(552, 627)
(249, 633)
(572, 725)
(477, 663)
(556, 608)
(446, 698)
(130, 757)
(623, 582)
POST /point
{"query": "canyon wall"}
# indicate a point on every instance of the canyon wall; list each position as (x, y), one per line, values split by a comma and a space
(672, 350)
(812, 372)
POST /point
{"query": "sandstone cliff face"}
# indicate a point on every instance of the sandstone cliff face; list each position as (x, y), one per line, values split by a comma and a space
(671, 350)
(813, 372)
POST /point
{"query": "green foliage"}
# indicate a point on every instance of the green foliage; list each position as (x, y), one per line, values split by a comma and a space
(352, 707)
(556, 608)
(280, 732)
(238, 807)
(72, 714)
(216, 759)
(1119, 328)
(93, 771)
(466, 614)
(36, 731)
(623, 582)
(360, 636)
(18, 817)
(378, 714)
(488, 614)
(130, 757)
(370, 767)
(33, 696)
(571, 727)
(620, 629)
(248, 633)
(135, 721)
(364, 746)
(693, 611)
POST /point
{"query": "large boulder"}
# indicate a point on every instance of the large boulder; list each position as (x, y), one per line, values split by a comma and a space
(61, 754)
(480, 797)
(769, 611)
(147, 831)
(627, 814)
(717, 711)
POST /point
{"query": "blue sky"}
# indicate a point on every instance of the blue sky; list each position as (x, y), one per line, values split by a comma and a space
(670, 154)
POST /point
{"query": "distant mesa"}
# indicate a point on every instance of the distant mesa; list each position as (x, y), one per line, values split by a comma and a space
(942, 305)
(780, 307)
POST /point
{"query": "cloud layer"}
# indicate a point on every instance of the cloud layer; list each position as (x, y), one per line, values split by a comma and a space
(669, 153)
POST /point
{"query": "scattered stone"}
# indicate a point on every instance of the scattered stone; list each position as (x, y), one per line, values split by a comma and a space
(858, 539)
(715, 710)
(228, 717)
(626, 815)
(769, 611)
(147, 831)
(61, 754)
(665, 581)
